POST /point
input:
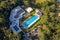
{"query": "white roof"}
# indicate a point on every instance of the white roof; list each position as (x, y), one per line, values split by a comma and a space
(29, 9)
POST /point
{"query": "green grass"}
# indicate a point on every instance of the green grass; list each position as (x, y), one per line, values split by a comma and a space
(39, 1)
(33, 12)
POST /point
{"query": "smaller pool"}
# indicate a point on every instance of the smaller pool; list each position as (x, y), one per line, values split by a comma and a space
(27, 23)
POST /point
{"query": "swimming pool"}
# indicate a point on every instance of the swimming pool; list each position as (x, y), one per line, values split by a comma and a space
(27, 23)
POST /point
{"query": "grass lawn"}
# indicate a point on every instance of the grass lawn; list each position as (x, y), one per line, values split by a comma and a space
(33, 12)
(38, 1)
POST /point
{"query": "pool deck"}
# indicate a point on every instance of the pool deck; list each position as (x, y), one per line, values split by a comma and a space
(31, 22)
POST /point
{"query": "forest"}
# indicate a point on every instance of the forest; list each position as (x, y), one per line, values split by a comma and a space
(50, 20)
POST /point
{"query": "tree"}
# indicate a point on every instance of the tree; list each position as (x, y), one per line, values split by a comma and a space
(8, 35)
(5, 7)
(40, 34)
(52, 8)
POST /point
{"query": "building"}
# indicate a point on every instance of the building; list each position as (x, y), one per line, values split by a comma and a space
(15, 26)
(29, 9)
(16, 14)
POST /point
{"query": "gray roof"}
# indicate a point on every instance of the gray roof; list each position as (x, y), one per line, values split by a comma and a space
(15, 26)
(15, 15)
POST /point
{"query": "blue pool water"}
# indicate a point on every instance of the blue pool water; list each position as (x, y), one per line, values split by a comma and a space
(30, 20)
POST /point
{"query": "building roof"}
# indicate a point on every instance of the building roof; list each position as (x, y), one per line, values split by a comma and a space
(16, 13)
(15, 26)
(38, 12)
(29, 9)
